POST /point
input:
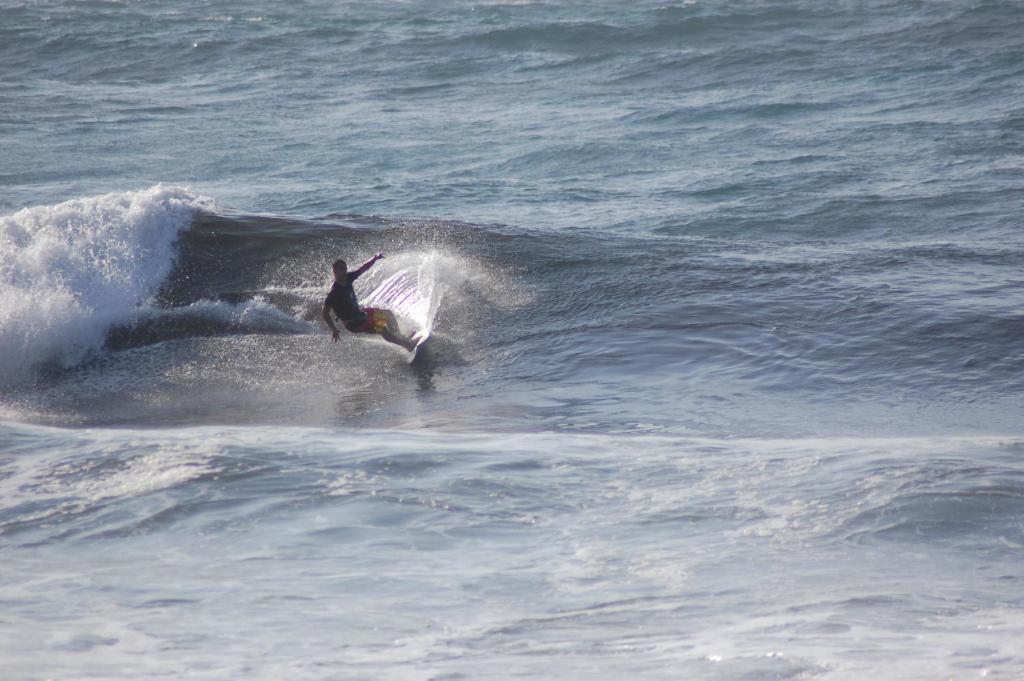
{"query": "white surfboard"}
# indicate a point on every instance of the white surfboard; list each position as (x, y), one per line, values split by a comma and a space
(419, 337)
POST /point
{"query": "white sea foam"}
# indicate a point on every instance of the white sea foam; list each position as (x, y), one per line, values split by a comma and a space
(256, 315)
(70, 271)
(587, 549)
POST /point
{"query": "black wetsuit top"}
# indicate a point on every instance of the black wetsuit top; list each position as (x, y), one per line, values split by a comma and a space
(342, 299)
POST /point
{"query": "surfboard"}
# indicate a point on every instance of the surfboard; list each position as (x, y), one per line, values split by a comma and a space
(420, 337)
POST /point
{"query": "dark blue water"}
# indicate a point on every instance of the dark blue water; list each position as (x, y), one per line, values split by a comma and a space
(725, 371)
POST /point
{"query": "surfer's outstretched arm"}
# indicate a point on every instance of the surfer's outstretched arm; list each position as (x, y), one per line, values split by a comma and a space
(367, 265)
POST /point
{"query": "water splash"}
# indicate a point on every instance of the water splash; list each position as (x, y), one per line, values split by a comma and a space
(413, 293)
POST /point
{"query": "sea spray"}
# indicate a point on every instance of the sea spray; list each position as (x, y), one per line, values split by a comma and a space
(412, 293)
(70, 271)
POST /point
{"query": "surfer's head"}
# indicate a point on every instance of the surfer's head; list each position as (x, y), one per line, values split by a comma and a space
(340, 269)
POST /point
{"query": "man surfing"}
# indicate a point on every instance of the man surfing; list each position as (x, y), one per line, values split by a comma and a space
(342, 301)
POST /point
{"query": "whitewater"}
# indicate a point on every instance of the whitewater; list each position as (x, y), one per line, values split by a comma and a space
(725, 369)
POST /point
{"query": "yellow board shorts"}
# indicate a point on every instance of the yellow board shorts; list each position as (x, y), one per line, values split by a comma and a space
(374, 321)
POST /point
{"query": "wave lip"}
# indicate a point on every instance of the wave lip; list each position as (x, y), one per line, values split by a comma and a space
(70, 271)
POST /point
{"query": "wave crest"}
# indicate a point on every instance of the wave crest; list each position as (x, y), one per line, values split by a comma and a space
(70, 271)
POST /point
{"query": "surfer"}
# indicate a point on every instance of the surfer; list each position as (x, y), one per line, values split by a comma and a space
(342, 301)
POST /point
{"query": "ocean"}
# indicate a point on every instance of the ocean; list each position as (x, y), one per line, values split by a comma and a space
(726, 368)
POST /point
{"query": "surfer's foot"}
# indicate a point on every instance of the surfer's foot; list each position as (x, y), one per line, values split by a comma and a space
(416, 339)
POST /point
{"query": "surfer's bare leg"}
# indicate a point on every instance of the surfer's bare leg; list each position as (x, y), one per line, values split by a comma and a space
(392, 325)
(390, 331)
(397, 339)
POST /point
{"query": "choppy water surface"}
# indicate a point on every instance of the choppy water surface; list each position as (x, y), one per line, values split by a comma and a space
(725, 375)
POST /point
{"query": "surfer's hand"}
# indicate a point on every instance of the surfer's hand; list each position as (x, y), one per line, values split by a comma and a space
(379, 256)
(334, 335)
